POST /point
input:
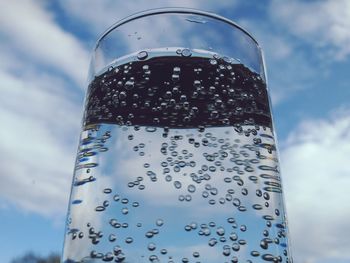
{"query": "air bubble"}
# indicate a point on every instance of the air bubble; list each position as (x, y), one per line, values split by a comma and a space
(177, 184)
(151, 129)
(235, 247)
(151, 246)
(264, 244)
(159, 222)
(112, 238)
(188, 228)
(186, 52)
(188, 198)
(268, 257)
(197, 84)
(76, 202)
(176, 70)
(122, 95)
(191, 188)
(142, 55)
(266, 196)
(231, 220)
(242, 208)
(100, 208)
(233, 236)
(153, 258)
(193, 225)
(255, 253)
(213, 61)
(108, 257)
(266, 233)
(168, 178)
(212, 202)
(149, 234)
(253, 178)
(227, 180)
(242, 242)
(93, 254)
(129, 85)
(257, 206)
(107, 190)
(268, 217)
(258, 193)
(222, 239)
(212, 242)
(226, 251)
(214, 191)
(175, 77)
(243, 228)
(236, 202)
(220, 231)
(113, 222)
(206, 231)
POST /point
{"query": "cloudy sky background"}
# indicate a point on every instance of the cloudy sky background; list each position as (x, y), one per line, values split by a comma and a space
(44, 58)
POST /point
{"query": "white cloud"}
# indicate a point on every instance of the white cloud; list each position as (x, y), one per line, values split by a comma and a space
(28, 28)
(37, 148)
(40, 111)
(321, 23)
(316, 177)
(288, 71)
(276, 46)
(289, 76)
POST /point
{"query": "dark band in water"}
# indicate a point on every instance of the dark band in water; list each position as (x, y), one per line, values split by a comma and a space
(178, 92)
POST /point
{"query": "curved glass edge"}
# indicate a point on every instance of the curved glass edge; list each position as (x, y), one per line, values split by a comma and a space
(178, 10)
(173, 10)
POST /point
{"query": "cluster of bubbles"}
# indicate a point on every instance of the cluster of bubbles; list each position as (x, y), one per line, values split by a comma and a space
(246, 160)
(178, 89)
(217, 234)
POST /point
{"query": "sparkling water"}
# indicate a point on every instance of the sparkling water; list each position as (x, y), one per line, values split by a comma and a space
(177, 163)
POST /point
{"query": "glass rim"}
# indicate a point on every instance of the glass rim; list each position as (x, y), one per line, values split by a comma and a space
(173, 10)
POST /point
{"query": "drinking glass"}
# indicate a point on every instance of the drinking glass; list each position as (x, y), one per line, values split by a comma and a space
(177, 160)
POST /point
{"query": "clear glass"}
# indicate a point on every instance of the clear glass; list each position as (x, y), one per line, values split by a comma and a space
(177, 160)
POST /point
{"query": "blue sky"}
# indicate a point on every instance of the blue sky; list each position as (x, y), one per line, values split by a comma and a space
(45, 49)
